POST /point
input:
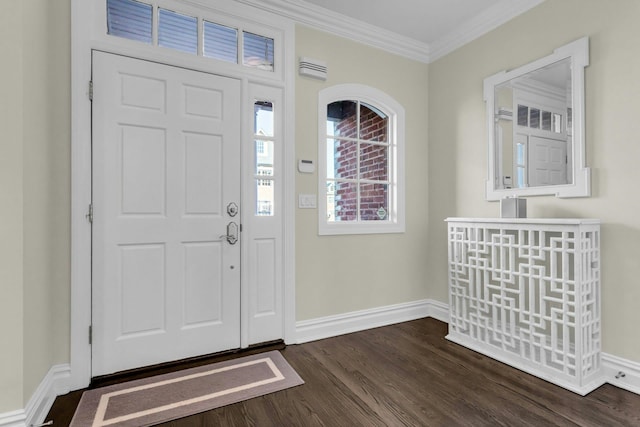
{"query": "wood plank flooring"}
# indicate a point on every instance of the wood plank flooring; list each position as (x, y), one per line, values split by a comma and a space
(407, 375)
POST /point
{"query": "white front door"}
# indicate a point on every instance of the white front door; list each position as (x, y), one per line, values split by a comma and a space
(166, 181)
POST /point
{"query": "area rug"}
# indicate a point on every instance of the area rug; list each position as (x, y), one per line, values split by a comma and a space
(179, 394)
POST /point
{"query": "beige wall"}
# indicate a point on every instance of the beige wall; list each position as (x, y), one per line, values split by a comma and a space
(47, 186)
(11, 225)
(340, 274)
(35, 119)
(457, 143)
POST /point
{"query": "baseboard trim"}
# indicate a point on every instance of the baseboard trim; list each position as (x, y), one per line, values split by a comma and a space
(331, 326)
(13, 419)
(55, 383)
(626, 371)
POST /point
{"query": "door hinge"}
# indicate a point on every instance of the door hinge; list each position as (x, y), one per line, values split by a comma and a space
(90, 334)
(89, 214)
(90, 90)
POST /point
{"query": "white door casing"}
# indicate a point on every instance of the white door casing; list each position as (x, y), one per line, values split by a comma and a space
(166, 164)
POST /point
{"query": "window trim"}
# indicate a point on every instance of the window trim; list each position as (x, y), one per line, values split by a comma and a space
(396, 114)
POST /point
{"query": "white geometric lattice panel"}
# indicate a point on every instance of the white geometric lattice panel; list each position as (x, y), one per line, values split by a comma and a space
(528, 294)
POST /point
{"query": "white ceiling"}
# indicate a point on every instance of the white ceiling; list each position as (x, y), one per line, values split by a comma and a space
(423, 20)
(420, 29)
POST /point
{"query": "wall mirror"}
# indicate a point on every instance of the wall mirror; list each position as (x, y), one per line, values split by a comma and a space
(535, 121)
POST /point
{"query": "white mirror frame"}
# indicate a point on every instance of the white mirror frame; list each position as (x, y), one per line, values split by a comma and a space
(578, 52)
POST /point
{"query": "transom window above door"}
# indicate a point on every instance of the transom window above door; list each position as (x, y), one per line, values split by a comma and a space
(191, 33)
(361, 156)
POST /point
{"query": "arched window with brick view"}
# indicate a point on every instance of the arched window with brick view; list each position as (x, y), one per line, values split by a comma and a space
(361, 153)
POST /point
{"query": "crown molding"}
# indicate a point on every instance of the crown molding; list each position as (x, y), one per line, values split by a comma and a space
(479, 25)
(326, 20)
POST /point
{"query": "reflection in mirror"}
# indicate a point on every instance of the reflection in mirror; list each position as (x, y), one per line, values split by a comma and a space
(533, 134)
(535, 119)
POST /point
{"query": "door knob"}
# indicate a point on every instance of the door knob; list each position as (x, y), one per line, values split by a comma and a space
(232, 233)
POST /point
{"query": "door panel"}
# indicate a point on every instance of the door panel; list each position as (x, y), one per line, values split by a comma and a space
(203, 165)
(166, 163)
(548, 161)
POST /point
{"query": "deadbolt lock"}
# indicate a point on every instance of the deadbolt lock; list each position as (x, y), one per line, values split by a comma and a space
(232, 209)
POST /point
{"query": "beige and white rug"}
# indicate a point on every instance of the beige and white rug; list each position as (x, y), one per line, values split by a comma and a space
(179, 394)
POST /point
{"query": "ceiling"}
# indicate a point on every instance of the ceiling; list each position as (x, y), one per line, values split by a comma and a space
(420, 29)
(423, 20)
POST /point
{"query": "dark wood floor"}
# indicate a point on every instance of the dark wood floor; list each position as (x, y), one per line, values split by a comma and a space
(408, 375)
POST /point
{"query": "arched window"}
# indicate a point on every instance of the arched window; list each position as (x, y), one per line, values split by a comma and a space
(360, 161)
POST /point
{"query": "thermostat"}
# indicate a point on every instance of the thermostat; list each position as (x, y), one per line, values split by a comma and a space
(306, 166)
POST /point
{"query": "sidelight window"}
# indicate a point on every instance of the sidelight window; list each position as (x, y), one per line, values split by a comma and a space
(263, 151)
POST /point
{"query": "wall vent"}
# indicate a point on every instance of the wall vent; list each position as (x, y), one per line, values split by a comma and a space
(312, 68)
(504, 114)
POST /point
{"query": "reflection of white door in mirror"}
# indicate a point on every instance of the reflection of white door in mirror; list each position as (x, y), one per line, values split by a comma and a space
(535, 121)
(548, 161)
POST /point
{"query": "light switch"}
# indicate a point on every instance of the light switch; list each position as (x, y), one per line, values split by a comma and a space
(307, 201)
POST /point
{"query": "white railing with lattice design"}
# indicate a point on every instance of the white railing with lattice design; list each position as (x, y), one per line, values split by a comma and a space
(527, 292)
